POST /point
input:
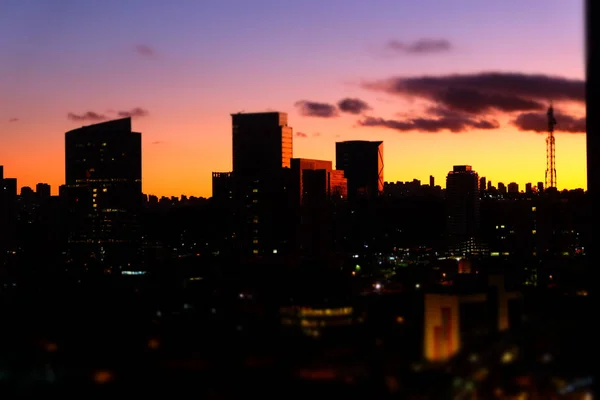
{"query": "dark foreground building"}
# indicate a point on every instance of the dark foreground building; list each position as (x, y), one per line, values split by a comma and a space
(104, 195)
(362, 163)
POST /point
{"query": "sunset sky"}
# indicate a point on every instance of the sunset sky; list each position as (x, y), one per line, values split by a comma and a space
(440, 82)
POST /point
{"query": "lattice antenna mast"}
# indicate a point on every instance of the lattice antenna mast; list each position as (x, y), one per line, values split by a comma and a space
(550, 150)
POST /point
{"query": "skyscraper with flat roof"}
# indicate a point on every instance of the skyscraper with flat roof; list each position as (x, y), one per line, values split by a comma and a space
(362, 163)
(261, 142)
(462, 199)
(104, 191)
(261, 183)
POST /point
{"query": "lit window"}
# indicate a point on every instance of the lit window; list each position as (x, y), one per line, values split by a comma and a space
(533, 232)
(255, 190)
(104, 190)
(255, 251)
(255, 241)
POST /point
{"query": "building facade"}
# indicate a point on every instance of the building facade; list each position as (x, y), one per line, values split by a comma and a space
(462, 199)
(362, 163)
(104, 195)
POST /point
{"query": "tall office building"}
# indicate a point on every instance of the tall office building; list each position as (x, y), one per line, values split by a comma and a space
(3, 233)
(222, 186)
(317, 189)
(261, 183)
(462, 199)
(299, 166)
(8, 221)
(362, 163)
(104, 194)
(262, 142)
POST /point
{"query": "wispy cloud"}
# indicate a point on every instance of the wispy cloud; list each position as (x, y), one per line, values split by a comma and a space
(96, 116)
(421, 46)
(454, 124)
(13, 120)
(315, 109)
(134, 113)
(87, 116)
(301, 135)
(158, 142)
(144, 50)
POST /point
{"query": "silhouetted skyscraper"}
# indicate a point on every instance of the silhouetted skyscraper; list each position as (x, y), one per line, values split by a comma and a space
(8, 218)
(431, 181)
(462, 198)
(261, 179)
(42, 191)
(104, 191)
(222, 186)
(502, 188)
(261, 142)
(300, 165)
(316, 188)
(482, 184)
(513, 187)
(3, 229)
(362, 163)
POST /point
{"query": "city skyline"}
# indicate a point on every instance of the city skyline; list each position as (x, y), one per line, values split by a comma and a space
(181, 100)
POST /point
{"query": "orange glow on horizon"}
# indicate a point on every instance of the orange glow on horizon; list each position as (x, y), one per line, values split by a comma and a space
(179, 157)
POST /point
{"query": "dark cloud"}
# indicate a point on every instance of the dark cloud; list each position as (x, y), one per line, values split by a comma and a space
(144, 50)
(136, 112)
(455, 124)
(314, 109)
(13, 120)
(88, 116)
(485, 92)
(353, 106)
(301, 134)
(538, 122)
(422, 46)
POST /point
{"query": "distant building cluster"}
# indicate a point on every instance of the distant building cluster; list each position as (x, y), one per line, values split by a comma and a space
(273, 207)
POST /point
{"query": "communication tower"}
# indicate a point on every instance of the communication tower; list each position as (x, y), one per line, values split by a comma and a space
(550, 150)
